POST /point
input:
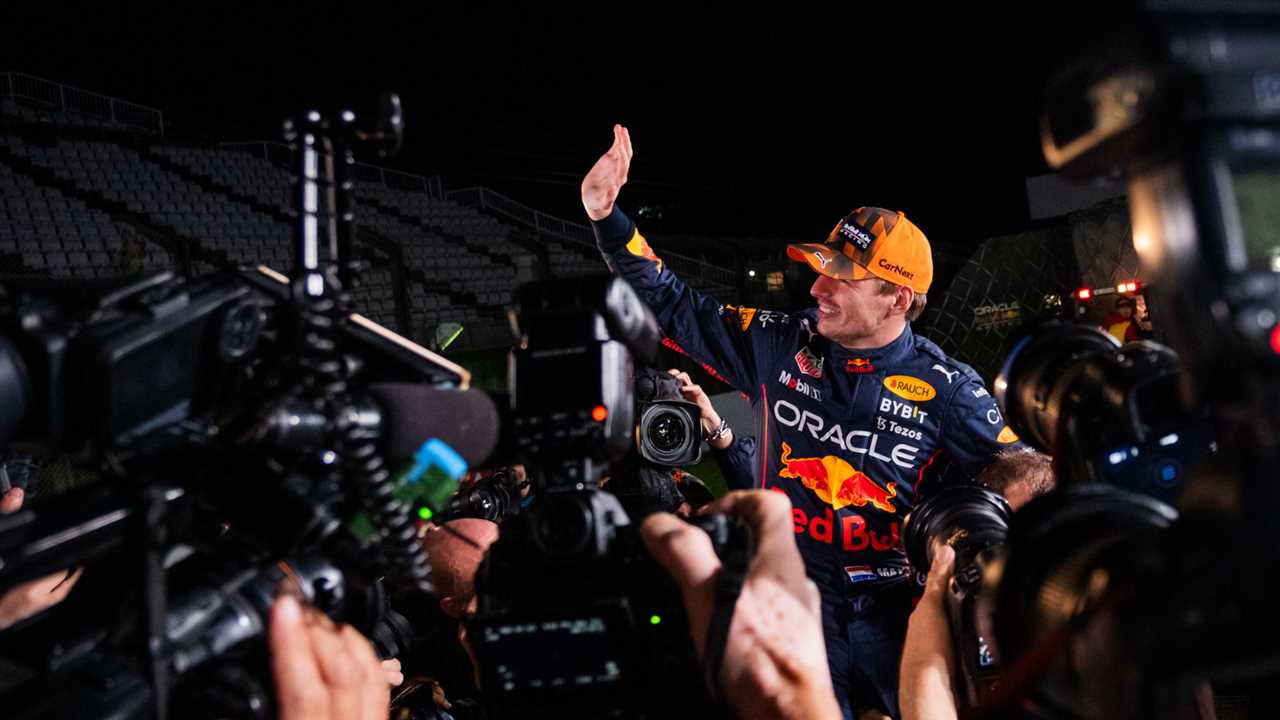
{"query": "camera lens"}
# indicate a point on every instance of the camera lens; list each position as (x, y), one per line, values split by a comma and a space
(668, 432)
(1109, 413)
(1073, 553)
(563, 525)
(1037, 371)
(668, 435)
(968, 518)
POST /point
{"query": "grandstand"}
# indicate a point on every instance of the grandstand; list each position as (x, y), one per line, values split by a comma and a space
(92, 188)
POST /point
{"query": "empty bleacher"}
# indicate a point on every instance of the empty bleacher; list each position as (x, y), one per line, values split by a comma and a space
(90, 201)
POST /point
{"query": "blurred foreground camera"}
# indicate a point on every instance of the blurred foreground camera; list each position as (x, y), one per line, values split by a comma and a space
(1071, 614)
(1106, 412)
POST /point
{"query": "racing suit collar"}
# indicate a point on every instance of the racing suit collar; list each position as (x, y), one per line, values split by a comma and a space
(889, 354)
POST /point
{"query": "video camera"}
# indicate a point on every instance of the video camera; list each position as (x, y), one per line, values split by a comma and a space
(575, 619)
(241, 424)
(1102, 599)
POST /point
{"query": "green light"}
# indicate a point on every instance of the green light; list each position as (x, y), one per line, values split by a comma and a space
(424, 513)
(654, 619)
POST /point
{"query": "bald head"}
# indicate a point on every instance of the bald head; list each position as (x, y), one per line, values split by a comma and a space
(456, 552)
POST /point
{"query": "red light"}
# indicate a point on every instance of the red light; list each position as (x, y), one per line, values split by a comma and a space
(1084, 293)
(1275, 339)
(599, 413)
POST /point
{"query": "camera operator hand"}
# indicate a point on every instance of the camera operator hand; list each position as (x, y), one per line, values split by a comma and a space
(323, 671)
(393, 671)
(710, 418)
(11, 501)
(924, 685)
(775, 662)
(37, 595)
(602, 184)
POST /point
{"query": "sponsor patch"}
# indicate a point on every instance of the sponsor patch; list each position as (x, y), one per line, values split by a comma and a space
(951, 376)
(860, 573)
(809, 363)
(860, 237)
(800, 386)
(1007, 435)
(861, 442)
(910, 388)
(745, 315)
(639, 247)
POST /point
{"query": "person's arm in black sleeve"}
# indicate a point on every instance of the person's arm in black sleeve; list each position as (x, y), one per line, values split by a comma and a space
(723, 338)
(736, 462)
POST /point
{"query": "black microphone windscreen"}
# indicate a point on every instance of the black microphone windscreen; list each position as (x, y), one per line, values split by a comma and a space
(465, 420)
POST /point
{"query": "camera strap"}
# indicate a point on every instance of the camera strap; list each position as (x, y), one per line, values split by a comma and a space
(733, 573)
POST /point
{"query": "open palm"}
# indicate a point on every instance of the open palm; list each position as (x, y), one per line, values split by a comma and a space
(602, 184)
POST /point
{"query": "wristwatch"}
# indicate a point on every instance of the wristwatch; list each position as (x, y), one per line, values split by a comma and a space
(720, 431)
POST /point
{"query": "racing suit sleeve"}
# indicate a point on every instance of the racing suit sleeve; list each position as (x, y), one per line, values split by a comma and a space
(975, 432)
(736, 461)
(722, 338)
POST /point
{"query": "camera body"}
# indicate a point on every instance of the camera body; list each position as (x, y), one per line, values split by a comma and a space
(187, 396)
(105, 369)
(1105, 412)
(1108, 602)
(575, 619)
(974, 521)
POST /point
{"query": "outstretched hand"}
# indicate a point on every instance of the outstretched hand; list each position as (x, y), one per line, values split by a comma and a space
(602, 184)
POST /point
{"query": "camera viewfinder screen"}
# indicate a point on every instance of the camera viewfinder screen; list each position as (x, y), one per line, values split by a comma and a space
(563, 652)
(564, 382)
(1258, 199)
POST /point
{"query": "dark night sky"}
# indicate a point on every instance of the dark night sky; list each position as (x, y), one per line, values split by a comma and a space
(759, 122)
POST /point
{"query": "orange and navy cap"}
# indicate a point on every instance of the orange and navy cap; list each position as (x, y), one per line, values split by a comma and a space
(872, 242)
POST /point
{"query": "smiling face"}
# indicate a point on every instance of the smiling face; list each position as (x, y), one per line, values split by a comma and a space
(860, 313)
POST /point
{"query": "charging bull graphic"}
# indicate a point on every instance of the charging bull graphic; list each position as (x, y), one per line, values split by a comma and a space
(639, 247)
(836, 482)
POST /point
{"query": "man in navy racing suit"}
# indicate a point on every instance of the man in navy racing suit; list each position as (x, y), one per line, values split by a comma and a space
(851, 408)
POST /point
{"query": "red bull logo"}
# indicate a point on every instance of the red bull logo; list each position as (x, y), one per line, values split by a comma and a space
(639, 247)
(858, 366)
(854, 535)
(836, 482)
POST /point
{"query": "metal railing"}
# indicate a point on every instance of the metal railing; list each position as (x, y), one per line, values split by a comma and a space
(48, 95)
(280, 154)
(483, 197)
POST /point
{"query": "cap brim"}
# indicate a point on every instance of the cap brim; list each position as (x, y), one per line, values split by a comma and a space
(826, 261)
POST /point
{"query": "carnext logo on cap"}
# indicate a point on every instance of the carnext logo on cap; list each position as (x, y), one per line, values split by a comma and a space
(859, 236)
(897, 269)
